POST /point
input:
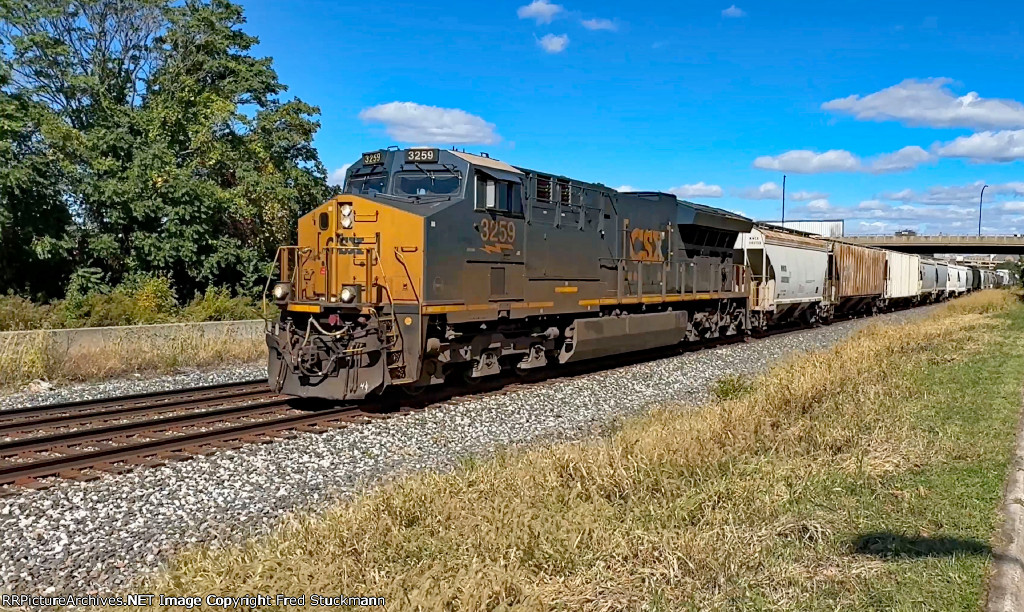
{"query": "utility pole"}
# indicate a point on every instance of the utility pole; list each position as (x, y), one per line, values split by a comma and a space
(980, 200)
(784, 202)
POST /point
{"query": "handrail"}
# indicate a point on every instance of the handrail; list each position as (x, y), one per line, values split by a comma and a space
(408, 274)
(391, 301)
(287, 272)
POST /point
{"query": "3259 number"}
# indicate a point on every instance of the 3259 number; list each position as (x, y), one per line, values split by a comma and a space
(495, 230)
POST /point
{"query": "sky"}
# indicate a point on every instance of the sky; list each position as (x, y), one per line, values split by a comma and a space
(890, 115)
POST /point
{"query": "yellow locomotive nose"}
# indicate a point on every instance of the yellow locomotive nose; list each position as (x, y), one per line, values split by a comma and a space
(355, 251)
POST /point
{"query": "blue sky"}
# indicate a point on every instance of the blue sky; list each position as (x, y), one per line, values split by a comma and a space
(891, 115)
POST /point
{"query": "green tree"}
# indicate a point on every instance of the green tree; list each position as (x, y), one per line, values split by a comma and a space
(34, 219)
(183, 159)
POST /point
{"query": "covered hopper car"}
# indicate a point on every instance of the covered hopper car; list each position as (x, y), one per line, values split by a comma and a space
(788, 273)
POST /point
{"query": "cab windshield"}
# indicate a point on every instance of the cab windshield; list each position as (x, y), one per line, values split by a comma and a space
(366, 183)
(426, 183)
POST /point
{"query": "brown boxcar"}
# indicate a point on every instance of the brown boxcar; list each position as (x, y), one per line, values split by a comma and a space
(858, 271)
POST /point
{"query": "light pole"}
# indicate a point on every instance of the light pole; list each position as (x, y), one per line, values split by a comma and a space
(783, 200)
(981, 199)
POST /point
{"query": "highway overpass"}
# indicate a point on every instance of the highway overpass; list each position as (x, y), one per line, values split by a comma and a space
(1011, 245)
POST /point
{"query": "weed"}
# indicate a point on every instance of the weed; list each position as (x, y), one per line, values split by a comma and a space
(731, 386)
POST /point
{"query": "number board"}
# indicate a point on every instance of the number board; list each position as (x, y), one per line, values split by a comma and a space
(373, 159)
(421, 156)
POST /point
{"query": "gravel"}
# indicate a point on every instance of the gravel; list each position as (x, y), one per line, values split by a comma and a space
(99, 536)
(41, 393)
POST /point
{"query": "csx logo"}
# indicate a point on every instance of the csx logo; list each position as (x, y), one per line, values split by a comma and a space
(646, 245)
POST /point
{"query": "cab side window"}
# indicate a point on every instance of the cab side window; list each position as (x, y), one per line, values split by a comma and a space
(498, 196)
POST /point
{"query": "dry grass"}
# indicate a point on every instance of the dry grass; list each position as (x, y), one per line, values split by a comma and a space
(750, 503)
(37, 355)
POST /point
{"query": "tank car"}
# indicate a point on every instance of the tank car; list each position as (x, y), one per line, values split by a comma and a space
(434, 264)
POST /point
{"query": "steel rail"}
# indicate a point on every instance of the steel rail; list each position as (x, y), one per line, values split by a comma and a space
(29, 421)
(11, 474)
(137, 399)
(95, 434)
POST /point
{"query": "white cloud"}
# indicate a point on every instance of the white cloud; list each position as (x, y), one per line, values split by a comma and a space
(872, 205)
(421, 124)
(338, 176)
(931, 103)
(625, 188)
(767, 191)
(839, 160)
(540, 11)
(1016, 188)
(873, 227)
(1002, 146)
(773, 191)
(819, 206)
(884, 217)
(554, 44)
(697, 190)
(965, 195)
(599, 24)
(809, 162)
(802, 196)
(906, 158)
(734, 12)
(904, 195)
(877, 216)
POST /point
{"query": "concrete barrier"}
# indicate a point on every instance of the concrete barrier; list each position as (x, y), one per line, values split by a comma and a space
(85, 338)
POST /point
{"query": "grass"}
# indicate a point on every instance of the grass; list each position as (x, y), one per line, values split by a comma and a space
(863, 477)
(145, 302)
(39, 356)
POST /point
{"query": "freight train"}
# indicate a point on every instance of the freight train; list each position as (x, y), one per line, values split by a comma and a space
(433, 265)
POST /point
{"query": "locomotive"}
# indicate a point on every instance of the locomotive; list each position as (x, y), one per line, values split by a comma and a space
(433, 264)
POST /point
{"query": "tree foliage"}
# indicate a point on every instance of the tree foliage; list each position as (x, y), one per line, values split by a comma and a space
(34, 217)
(180, 158)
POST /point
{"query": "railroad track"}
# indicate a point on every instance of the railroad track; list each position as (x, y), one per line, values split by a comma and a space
(81, 440)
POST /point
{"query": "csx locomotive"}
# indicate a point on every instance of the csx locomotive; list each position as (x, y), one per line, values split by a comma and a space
(436, 264)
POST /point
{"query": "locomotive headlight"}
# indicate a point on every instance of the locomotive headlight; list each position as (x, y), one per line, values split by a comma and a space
(281, 291)
(347, 216)
(349, 293)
